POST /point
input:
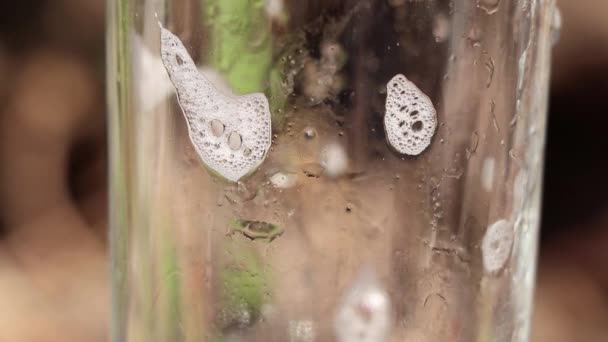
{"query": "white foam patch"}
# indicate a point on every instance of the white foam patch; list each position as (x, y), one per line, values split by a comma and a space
(496, 245)
(231, 134)
(410, 120)
(365, 312)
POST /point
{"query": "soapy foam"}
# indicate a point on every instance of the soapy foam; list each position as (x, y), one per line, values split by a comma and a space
(231, 134)
(410, 120)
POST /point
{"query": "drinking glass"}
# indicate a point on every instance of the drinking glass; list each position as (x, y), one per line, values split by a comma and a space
(326, 170)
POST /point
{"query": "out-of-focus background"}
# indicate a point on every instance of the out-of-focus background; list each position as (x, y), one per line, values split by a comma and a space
(53, 259)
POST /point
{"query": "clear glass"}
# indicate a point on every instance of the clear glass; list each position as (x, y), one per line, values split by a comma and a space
(339, 231)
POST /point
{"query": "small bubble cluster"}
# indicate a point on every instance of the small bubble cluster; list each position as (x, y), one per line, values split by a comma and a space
(231, 134)
(239, 316)
(301, 331)
(410, 120)
(496, 245)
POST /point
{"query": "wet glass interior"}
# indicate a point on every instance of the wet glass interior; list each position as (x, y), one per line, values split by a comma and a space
(326, 170)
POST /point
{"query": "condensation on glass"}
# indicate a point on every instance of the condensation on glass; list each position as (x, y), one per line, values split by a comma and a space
(338, 170)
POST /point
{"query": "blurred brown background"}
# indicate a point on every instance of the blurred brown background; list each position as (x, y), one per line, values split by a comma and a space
(53, 260)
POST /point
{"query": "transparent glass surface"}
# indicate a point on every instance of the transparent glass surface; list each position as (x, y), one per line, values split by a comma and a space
(352, 204)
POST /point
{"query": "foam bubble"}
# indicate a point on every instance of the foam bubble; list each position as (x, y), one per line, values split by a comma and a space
(231, 134)
(410, 120)
(496, 245)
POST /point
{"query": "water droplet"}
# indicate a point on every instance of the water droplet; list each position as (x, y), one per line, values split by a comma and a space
(496, 245)
(441, 28)
(274, 9)
(490, 67)
(364, 314)
(349, 207)
(487, 174)
(283, 180)
(310, 133)
(334, 159)
(247, 152)
(556, 25)
(494, 120)
(382, 89)
(474, 36)
(488, 6)
(235, 141)
(217, 128)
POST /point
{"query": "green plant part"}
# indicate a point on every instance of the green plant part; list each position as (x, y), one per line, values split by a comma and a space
(241, 44)
(171, 289)
(242, 47)
(243, 286)
(257, 230)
